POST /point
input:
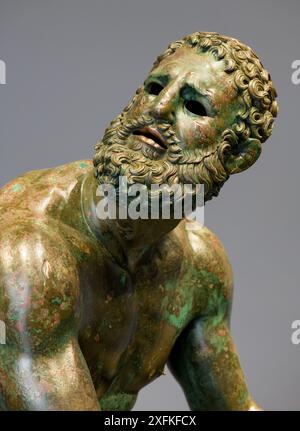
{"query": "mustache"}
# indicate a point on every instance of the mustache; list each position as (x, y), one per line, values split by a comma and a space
(122, 128)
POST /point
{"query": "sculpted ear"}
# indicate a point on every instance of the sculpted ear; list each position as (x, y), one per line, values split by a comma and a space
(242, 156)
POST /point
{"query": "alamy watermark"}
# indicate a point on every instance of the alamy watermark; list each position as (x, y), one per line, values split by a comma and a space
(158, 201)
(2, 72)
(295, 338)
(295, 78)
(2, 332)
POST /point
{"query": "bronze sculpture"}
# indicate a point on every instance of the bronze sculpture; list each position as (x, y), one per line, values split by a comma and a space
(93, 308)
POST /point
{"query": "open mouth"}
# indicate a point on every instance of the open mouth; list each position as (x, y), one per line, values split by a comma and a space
(151, 137)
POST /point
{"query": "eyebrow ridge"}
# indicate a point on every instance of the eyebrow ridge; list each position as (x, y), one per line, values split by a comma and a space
(200, 92)
(163, 78)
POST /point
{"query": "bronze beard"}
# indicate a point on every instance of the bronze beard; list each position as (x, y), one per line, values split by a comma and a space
(115, 157)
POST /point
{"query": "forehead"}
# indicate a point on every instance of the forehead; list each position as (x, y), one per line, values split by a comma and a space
(201, 70)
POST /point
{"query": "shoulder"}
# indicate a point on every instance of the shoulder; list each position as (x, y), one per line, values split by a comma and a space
(39, 283)
(205, 255)
(36, 189)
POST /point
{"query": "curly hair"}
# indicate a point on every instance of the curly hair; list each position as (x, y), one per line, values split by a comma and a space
(253, 82)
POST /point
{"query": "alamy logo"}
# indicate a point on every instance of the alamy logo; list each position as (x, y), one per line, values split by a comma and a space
(295, 78)
(2, 72)
(2, 332)
(295, 338)
(164, 201)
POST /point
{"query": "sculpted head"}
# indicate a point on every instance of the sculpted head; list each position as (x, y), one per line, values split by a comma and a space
(201, 115)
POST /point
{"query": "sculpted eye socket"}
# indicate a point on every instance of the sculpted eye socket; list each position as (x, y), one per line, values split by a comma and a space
(195, 107)
(154, 88)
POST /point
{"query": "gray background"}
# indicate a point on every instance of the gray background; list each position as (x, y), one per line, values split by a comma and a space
(73, 65)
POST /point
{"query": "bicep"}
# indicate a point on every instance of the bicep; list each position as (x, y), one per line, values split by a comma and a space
(56, 379)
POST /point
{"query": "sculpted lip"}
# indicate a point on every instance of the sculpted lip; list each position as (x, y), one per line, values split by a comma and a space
(152, 137)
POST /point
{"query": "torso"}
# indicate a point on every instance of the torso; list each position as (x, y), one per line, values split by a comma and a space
(127, 324)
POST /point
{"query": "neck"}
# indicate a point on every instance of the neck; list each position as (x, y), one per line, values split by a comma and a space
(127, 240)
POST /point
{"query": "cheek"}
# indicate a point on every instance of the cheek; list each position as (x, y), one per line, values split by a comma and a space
(197, 133)
(209, 134)
(228, 105)
(225, 120)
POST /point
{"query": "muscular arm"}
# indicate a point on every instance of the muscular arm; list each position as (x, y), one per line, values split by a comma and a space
(205, 363)
(204, 359)
(41, 364)
(54, 379)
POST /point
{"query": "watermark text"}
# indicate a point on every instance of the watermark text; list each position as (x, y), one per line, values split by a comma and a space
(2, 72)
(295, 78)
(2, 332)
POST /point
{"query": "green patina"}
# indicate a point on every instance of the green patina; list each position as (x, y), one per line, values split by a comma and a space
(83, 165)
(14, 317)
(217, 307)
(120, 401)
(17, 188)
(209, 277)
(243, 396)
(179, 321)
(182, 295)
(218, 342)
(56, 301)
(193, 282)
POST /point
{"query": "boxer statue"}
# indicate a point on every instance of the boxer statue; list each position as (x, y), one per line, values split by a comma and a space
(94, 308)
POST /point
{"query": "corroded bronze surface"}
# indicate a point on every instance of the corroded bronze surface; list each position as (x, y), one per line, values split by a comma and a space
(95, 309)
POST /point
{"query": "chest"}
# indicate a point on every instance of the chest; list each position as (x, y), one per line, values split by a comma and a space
(134, 323)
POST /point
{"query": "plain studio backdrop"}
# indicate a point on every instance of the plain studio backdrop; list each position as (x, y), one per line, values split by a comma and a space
(73, 65)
